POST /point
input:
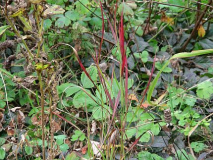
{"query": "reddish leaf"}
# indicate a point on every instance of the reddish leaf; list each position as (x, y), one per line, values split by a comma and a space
(84, 149)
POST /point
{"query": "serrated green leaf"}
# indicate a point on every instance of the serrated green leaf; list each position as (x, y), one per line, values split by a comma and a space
(131, 132)
(126, 9)
(93, 72)
(160, 65)
(205, 89)
(62, 21)
(145, 137)
(82, 99)
(144, 56)
(72, 15)
(100, 113)
(47, 24)
(28, 150)
(64, 147)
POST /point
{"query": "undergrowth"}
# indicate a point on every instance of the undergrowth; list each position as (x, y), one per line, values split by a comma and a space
(106, 79)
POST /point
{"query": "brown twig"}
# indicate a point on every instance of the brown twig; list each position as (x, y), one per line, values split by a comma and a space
(149, 17)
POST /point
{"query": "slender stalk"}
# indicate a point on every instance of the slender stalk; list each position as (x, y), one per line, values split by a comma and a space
(42, 113)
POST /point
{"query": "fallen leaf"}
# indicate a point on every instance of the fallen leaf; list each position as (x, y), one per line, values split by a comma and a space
(96, 148)
(53, 10)
(93, 128)
(14, 109)
(145, 105)
(201, 31)
(166, 19)
(132, 97)
(55, 126)
(10, 131)
(1, 116)
(84, 149)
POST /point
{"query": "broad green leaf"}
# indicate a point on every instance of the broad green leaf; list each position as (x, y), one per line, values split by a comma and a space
(64, 147)
(68, 88)
(131, 132)
(177, 3)
(59, 141)
(205, 89)
(28, 150)
(160, 65)
(62, 21)
(139, 31)
(2, 104)
(155, 129)
(95, 21)
(2, 153)
(210, 70)
(145, 137)
(198, 146)
(82, 99)
(130, 83)
(60, 136)
(3, 29)
(80, 8)
(149, 156)
(72, 156)
(130, 118)
(190, 101)
(100, 94)
(78, 135)
(100, 113)
(93, 72)
(126, 9)
(179, 55)
(72, 15)
(47, 24)
(2, 141)
(144, 56)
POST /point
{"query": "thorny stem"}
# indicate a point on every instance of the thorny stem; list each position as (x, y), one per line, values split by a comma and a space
(42, 113)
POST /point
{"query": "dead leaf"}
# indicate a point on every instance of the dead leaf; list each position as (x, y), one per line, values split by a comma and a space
(1, 117)
(96, 148)
(84, 150)
(201, 31)
(10, 131)
(55, 126)
(145, 105)
(53, 10)
(166, 19)
(132, 97)
(36, 1)
(1, 127)
(113, 136)
(93, 128)
(14, 109)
